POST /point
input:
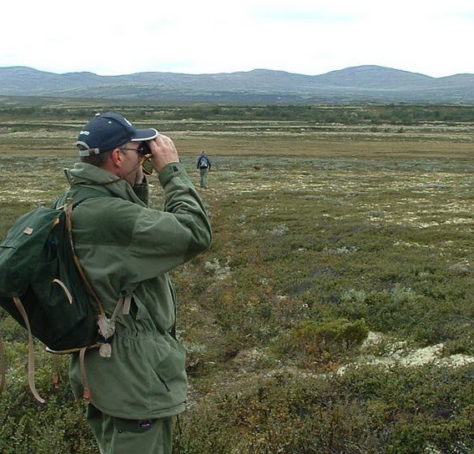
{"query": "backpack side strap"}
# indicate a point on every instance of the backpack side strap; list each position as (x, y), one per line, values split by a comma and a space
(31, 355)
(86, 393)
(3, 366)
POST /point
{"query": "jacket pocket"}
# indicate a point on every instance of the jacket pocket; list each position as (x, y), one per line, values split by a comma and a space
(170, 372)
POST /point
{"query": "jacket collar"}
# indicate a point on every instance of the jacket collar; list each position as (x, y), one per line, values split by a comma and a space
(90, 175)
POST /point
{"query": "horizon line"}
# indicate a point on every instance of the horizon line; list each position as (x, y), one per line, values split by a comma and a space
(232, 72)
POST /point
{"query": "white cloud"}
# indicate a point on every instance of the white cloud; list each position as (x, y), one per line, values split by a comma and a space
(307, 36)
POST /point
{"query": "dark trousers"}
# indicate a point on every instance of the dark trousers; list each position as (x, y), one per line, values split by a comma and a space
(129, 436)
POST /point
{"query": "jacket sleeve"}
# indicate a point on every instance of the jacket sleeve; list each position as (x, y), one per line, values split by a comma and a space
(162, 240)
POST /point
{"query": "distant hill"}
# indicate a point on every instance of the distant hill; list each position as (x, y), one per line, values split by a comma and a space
(367, 83)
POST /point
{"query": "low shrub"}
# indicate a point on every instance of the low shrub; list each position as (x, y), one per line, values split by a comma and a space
(58, 426)
(369, 409)
(309, 342)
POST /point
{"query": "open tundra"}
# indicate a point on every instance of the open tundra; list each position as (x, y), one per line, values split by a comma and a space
(334, 311)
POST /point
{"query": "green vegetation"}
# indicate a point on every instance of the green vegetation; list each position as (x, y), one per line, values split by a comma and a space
(366, 411)
(333, 312)
(67, 109)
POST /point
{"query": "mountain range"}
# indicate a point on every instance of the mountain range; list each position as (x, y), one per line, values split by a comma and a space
(368, 83)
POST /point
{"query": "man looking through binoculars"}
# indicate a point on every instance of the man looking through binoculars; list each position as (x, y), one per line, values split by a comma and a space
(127, 250)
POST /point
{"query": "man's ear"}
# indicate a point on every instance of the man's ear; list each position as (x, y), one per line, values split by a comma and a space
(116, 157)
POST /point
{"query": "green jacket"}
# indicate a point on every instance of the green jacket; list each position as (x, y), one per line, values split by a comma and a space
(127, 248)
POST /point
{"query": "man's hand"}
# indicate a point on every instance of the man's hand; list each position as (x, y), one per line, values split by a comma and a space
(163, 152)
(139, 176)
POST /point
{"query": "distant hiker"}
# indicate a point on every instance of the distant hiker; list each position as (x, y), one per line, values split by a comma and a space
(127, 250)
(204, 165)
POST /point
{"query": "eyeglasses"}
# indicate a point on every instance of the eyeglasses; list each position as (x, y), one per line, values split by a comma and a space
(140, 150)
(144, 152)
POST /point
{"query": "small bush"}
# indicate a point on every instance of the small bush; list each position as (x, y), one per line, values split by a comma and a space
(324, 342)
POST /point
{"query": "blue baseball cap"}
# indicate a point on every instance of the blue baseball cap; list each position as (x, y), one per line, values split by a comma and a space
(110, 130)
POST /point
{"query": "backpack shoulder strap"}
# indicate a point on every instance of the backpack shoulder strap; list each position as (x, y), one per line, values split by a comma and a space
(68, 208)
(77, 193)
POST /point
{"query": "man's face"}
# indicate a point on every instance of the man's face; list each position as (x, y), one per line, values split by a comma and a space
(131, 164)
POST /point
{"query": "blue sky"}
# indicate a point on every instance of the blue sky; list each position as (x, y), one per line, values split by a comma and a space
(302, 36)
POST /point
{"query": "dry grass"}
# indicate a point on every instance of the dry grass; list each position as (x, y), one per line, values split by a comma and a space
(260, 137)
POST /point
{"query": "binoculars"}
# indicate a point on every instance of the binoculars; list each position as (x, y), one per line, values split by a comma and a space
(145, 151)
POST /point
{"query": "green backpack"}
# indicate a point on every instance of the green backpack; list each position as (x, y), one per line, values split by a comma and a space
(43, 286)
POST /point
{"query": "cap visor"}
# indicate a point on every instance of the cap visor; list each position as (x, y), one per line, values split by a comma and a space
(145, 134)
